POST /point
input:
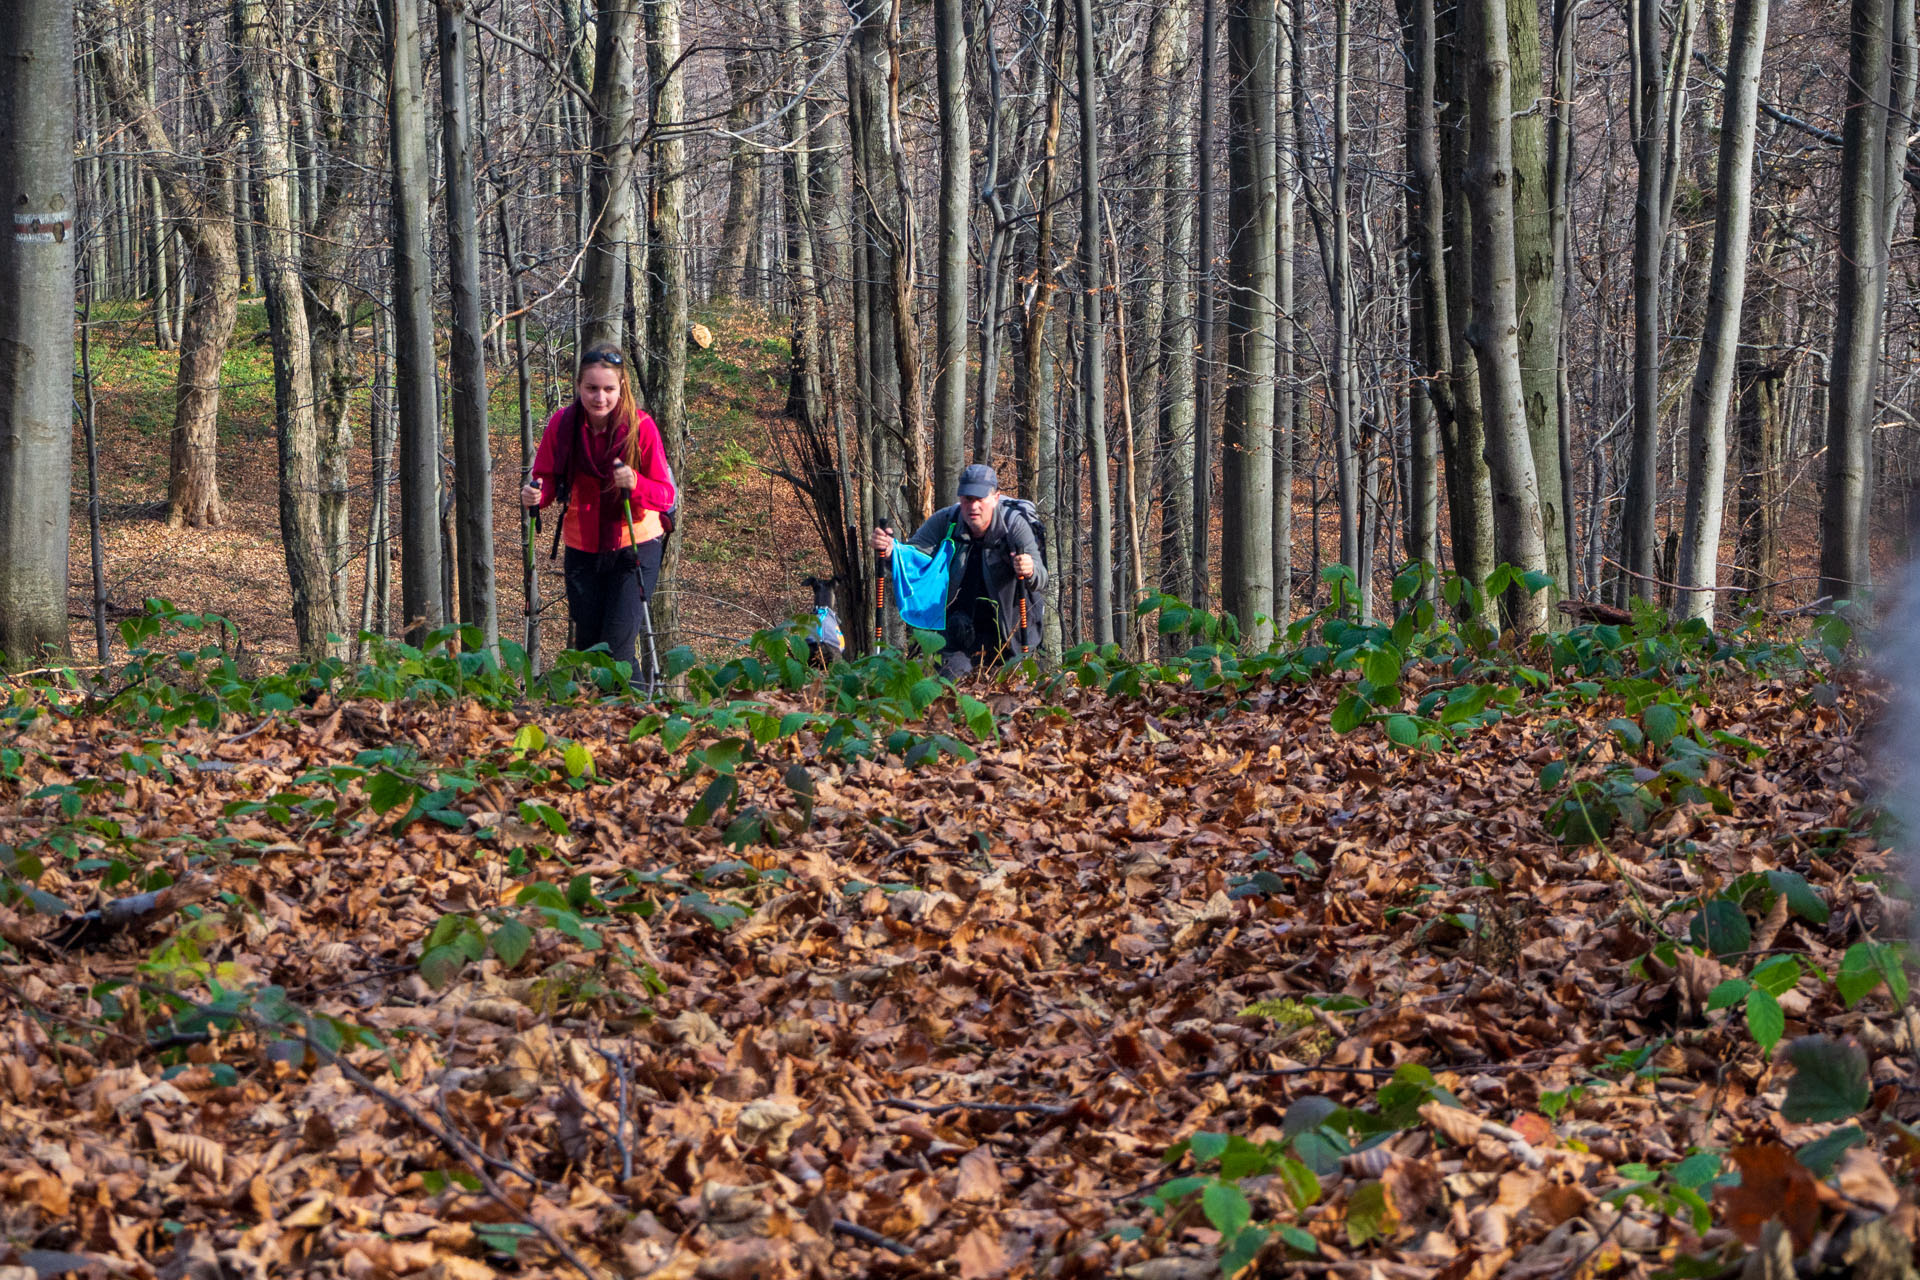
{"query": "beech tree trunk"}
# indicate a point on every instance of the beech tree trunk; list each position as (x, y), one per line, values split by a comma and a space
(1637, 538)
(743, 181)
(603, 281)
(1539, 285)
(416, 396)
(207, 222)
(314, 619)
(1093, 358)
(1429, 402)
(1719, 347)
(1495, 325)
(956, 184)
(36, 329)
(466, 360)
(669, 315)
(1246, 439)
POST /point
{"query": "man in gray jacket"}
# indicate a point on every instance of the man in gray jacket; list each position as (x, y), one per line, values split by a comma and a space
(998, 563)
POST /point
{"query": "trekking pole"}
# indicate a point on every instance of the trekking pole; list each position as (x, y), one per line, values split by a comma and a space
(640, 581)
(880, 596)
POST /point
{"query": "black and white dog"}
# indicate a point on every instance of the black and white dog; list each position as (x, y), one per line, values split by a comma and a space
(826, 642)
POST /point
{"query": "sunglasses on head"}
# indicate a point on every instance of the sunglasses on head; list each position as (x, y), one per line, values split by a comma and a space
(612, 359)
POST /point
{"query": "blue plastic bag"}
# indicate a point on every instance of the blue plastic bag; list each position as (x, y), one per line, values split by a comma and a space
(920, 584)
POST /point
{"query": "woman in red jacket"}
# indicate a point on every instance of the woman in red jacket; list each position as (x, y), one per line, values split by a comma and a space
(597, 455)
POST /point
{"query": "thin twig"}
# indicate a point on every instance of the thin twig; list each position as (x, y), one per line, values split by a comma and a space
(1011, 1108)
(866, 1235)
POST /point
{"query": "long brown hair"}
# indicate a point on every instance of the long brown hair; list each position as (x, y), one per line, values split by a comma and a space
(627, 412)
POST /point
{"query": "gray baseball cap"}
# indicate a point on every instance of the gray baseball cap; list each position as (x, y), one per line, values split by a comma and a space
(978, 481)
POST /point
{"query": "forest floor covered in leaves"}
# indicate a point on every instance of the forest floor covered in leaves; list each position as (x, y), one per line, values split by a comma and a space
(464, 989)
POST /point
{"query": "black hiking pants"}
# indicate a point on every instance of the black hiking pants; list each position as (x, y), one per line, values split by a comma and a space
(604, 595)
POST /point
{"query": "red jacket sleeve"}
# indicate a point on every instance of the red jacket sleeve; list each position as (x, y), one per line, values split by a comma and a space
(654, 490)
(546, 463)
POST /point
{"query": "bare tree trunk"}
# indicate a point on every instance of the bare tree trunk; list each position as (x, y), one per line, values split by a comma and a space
(1286, 173)
(1566, 22)
(743, 181)
(314, 619)
(956, 183)
(1760, 428)
(36, 329)
(466, 360)
(1539, 286)
(603, 280)
(1637, 535)
(1339, 282)
(902, 269)
(1032, 405)
(1093, 360)
(415, 389)
(1495, 325)
(1719, 348)
(666, 238)
(1176, 350)
(326, 255)
(193, 484)
(1462, 430)
(1203, 390)
(1246, 440)
(1860, 284)
(1430, 402)
(159, 236)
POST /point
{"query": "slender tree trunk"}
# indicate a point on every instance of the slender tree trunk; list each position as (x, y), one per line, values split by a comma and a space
(1860, 282)
(1203, 390)
(603, 280)
(1177, 356)
(193, 484)
(1339, 282)
(1539, 287)
(902, 270)
(666, 236)
(1761, 431)
(1430, 401)
(1035, 402)
(415, 389)
(159, 237)
(466, 360)
(956, 184)
(1637, 536)
(1246, 440)
(1286, 390)
(314, 619)
(326, 254)
(1495, 325)
(1093, 359)
(36, 329)
(1566, 23)
(1719, 348)
(743, 181)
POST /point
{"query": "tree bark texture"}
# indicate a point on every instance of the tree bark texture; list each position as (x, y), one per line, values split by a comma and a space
(956, 184)
(36, 329)
(603, 280)
(415, 392)
(466, 360)
(1719, 346)
(1246, 440)
(1495, 324)
(297, 432)
(1093, 360)
(1860, 275)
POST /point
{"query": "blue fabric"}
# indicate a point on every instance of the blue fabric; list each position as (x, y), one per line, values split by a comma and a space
(920, 584)
(826, 627)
